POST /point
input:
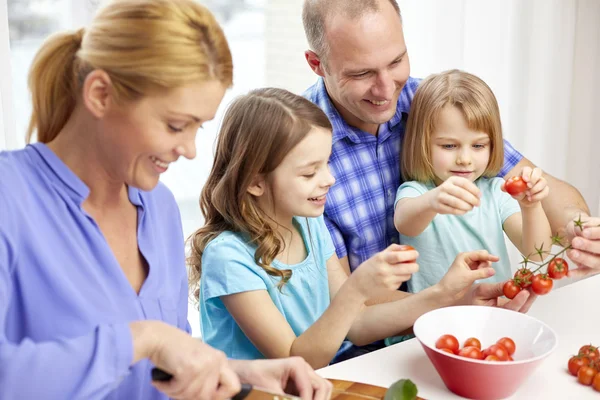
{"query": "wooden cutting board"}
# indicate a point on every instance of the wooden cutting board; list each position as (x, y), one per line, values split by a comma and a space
(346, 390)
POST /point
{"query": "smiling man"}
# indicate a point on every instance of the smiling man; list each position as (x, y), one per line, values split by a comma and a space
(357, 49)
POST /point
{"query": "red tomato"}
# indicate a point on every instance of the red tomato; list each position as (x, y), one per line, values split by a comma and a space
(447, 342)
(508, 344)
(497, 350)
(491, 358)
(510, 358)
(447, 351)
(407, 247)
(577, 362)
(589, 351)
(523, 277)
(511, 289)
(586, 375)
(474, 342)
(558, 268)
(596, 382)
(471, 352)
(515, 185)
(541, 284)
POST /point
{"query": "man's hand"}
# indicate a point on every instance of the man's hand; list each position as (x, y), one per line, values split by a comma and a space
(584, 236)
(490, 294)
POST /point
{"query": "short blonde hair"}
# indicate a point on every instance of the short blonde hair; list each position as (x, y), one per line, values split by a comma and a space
(143, 45)
(477, 103)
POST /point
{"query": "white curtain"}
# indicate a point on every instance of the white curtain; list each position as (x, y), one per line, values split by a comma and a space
(541, 58)
(7, 122)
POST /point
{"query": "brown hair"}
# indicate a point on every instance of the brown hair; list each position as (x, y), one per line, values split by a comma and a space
(143, 45)
(258, 130)
(315, 14)
(476, 101)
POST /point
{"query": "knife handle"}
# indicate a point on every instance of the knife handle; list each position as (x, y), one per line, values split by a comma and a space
(163, 376)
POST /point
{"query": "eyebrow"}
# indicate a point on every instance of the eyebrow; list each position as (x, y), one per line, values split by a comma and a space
(361, 70)
(196, 119)
(481, 137)
(309, 164)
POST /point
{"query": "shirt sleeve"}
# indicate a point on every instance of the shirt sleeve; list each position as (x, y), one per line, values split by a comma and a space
(409, 189)
(507, 205)
(511, 158)
(335, 234)
(323, 237)
(228, 267)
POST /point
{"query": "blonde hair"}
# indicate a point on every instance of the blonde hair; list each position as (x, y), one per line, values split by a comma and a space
(258, 130)
(143, 45)
(473, 97)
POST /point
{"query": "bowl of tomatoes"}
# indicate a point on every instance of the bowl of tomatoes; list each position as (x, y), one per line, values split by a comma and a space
(484, 352)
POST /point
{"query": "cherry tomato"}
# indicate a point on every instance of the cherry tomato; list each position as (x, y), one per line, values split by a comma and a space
(590, 352)
(586, 375)
(523, 277)
(511, 289)
(497, 350)
(447, 342)
(508, 344)
(558, 268)
(471, 352)
(541, 284)
(510, 358)
(447, 351)
(491, 358)
(596, 382)
(474, 342)
(407, 247)
(515, 185)
(577, 362)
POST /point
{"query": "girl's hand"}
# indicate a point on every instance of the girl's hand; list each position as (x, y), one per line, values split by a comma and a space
(199, 371)
(456, 195)
(386, 270)
(465, 270)
(537, 187)
(284, 375)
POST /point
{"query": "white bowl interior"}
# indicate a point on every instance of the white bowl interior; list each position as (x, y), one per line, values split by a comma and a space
(532, 337)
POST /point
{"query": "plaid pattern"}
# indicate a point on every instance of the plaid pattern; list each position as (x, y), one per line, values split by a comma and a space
(359, 212)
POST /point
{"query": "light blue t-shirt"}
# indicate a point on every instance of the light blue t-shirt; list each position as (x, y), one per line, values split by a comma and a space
(228, 267)
(447, 235)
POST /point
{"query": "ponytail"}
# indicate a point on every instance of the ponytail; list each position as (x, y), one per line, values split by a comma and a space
(53, 85)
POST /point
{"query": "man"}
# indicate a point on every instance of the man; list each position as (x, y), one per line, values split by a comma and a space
(359, 53)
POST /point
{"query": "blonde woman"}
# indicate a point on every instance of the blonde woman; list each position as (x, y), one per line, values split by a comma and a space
(93, 287)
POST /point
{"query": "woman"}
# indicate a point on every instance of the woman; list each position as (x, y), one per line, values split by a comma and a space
(93, 289)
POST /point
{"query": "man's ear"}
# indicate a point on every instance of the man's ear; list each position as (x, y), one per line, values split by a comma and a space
(258, 186)
(98, 92)
(314, 62)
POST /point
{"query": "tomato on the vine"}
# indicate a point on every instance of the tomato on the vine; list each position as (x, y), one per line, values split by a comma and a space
(523, 277)
(558, 268)
(541, 284)
(471, 352)
(474, 342)
(447, 342)
(577, 362)
(586, 375)
(511, 289)
(596, 382)
(590, 352)
(515, 185)
(508, 344)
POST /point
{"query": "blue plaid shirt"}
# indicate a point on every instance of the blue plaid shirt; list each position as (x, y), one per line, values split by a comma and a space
(360, 206)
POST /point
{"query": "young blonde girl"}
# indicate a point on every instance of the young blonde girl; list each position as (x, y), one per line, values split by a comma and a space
(451, 200)
(270, 282)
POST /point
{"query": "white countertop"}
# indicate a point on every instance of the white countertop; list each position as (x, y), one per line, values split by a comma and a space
(560, 309)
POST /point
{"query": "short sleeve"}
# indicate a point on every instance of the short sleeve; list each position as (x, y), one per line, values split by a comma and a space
(409, 190)
(228, 267)
(507, 205)
(325, 242)
(511, 158)
(335, 235)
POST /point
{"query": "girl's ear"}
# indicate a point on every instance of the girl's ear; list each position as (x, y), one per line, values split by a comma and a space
(258, 186)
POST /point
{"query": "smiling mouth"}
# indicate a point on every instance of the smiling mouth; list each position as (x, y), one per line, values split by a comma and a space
(317, 198)
(159, 162)
(378, 102)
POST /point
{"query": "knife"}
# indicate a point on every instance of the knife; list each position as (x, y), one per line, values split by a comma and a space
(248, 392)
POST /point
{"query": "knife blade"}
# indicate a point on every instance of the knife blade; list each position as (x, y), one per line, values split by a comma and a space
(248, 392)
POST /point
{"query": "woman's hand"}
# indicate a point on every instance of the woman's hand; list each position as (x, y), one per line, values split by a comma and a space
(199, 371)
(284, 375)
(385, 271)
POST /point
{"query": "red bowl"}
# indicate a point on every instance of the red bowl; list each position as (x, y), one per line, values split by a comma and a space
(478, 379)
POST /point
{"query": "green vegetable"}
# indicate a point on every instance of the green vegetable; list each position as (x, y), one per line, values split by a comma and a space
(404, 389)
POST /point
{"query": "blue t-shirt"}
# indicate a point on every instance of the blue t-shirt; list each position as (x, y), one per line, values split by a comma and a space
(65, 303)
(228, 267)
(447, 235)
